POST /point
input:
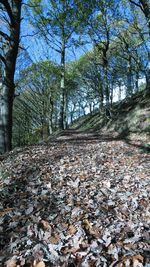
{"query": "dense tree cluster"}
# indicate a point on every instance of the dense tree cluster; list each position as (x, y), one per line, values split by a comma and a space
(50, 95)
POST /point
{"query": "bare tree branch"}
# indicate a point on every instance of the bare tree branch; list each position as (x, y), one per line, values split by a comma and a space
(136, 4)
(5, 36)
(29, 35)
(2, 59)
(29, 5)
(7, 6)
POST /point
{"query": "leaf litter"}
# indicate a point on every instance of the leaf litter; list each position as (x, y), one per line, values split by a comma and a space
(76, 202)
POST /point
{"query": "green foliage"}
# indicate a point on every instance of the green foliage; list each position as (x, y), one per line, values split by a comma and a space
(36, 103)
(60, 19)
(117, 58)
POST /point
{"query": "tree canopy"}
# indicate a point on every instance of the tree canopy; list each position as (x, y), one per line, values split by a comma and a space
(74, 57)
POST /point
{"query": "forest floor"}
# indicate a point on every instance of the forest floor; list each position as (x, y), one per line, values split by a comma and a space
(81, 200)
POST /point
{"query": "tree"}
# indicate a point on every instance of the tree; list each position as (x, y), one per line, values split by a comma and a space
(144, 6)
(10, 13)
(101, 30)
(89, 78)
(59, 22)
(34, 108)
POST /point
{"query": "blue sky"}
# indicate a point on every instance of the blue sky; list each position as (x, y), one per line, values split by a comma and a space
(39, 49)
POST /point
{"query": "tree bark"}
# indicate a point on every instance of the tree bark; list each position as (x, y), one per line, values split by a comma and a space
(6, 104)
(50, 124)
(62, 86)
(129, 78)
(120, 91)
(8, 86)
(137, 81)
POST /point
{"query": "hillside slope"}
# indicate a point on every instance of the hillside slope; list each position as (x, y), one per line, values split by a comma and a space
(129, 119)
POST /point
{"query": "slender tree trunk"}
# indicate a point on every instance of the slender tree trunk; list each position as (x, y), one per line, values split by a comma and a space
(66, 111)
(129, 84)
(62, 85)
(50, 125)
(107, 93)
(120, 91)
(137, 81)
(90, 107)
(148, 74)
(71, 117)
(111, 94)
(105, 67)
(50, 115)
(72, 113)
(8, 87)
(129, 79)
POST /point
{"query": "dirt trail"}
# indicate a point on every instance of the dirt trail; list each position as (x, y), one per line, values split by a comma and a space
(75, 135)
(81, 200)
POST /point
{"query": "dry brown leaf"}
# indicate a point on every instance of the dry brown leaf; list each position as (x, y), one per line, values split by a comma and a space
(87, 224)
(46, 225)
(54, 239)
(90, 229)
(92, 210)
(71, 229)
(82, 177)
(136, 261)
(65, 226)
(94, 232)
(2, 213)
(39, 264)
(11, 263)
(138, 258)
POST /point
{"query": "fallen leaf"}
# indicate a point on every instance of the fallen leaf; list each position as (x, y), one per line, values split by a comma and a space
(71, 229)
(46, 225)
(39, 264)
(11, 263)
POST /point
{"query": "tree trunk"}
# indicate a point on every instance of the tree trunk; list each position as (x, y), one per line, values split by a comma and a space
(111, 94)
(66, 112)
(129, 78)
(71, 116)
(62, 85)
(107, 95)
(106, 86)
(129, 84)
(137, 81)
(50, 123)
(6, 104)
(7, 93)
(101, 96)
(120, 91)
(148, 74)
(90, 107)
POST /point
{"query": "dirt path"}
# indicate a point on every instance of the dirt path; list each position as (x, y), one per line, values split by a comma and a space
(82, 200)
